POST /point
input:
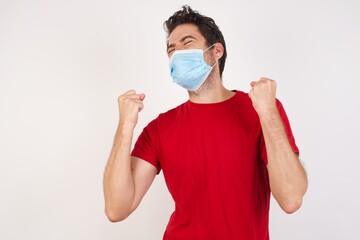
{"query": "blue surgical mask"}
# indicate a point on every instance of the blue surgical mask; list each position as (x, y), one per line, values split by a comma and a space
(189, 69)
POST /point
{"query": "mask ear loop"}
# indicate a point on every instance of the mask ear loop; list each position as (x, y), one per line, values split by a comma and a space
(213, 65)
(208, 49)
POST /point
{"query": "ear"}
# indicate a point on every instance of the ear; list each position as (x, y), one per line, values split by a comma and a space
(218, 50)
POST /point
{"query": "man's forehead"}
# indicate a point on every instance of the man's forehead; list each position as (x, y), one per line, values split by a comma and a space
(182, 31)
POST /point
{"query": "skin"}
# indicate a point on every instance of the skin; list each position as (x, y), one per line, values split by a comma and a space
(127, 178)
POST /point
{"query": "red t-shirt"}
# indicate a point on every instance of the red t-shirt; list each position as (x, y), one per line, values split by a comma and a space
(214, 160)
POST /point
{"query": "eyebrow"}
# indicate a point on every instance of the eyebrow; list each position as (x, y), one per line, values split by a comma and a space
(181, 40)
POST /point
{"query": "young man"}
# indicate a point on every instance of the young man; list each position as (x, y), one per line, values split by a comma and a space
(222, 152)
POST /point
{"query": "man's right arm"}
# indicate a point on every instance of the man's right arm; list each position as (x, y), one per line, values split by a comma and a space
(126, 178)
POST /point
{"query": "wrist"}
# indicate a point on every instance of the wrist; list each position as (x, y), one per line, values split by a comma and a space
(126, 128)
(269, 111)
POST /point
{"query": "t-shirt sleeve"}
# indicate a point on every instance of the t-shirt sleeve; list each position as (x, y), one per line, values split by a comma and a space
(288, 131)
(147, 145)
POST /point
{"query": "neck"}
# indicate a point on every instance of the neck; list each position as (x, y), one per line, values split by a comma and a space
(211, 94)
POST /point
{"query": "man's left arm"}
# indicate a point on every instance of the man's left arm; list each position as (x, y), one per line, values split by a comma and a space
(287, 176)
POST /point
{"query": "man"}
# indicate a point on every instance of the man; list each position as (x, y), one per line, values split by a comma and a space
(221, 152)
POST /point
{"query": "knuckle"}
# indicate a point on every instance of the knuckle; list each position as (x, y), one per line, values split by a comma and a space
(127, 100)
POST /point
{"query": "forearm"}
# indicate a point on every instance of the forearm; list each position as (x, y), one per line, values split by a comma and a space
(118, 179)
(287, 176)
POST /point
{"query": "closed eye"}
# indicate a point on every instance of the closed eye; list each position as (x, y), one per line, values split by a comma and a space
(170, 51)
(186, 43)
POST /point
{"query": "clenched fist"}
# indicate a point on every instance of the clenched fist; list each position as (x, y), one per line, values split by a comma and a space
(130, 104)
(263, 96)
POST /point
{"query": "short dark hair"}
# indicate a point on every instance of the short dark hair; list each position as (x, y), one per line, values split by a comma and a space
(206, 25)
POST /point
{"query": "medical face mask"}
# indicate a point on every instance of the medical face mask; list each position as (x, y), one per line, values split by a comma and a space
(189, 69)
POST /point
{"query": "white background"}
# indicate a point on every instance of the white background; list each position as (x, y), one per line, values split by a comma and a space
(64, 63)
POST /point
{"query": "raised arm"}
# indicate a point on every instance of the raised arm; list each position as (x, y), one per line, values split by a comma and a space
(126, 178)
(288, 181)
